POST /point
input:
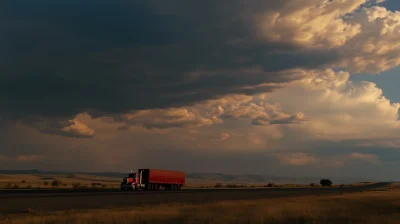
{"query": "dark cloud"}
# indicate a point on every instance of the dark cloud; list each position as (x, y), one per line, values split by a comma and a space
(60, 58)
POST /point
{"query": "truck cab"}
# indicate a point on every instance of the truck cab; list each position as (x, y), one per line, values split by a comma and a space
(131, 181)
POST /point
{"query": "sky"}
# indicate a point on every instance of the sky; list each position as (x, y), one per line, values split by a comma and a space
(290, 88)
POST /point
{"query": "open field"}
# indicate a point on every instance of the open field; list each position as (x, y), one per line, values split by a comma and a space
(69, 181)
(374, 206)
(44, 181)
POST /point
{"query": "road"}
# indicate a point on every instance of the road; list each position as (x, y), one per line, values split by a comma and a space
(17, 201)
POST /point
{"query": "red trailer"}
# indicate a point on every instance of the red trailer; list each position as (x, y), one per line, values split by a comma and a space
(154, 179)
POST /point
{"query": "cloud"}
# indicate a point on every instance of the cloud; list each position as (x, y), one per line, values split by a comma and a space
(310, 23)
(279, 118)
(377, 47)
(365, 157)
(111, 64)
(336, 161)
(211, 112)
(71, 128)
(339, 108)
(166, 118)
(297, 159)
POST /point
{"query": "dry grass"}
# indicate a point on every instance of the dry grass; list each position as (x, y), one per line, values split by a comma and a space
(67, 181)
(381, 207)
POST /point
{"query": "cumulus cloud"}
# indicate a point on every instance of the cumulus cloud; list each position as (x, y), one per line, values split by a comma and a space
(212, 112)
(363, 35)
(310, 23)
(167, 118)
(339, 108)
(71, 128)
(377, 47)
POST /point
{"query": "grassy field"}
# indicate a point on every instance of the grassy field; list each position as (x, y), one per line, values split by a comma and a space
(42, 181)
(66, 181)
(381, 206)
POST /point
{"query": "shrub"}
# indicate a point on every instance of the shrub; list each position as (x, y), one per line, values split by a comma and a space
(9, 186)
(46, 183)
(71, 175)
(103, 186)
(56, 183)
(15, 186)
(313, 185)
(232, 186)
(218, 185)
(23, 181)
(76, 185)
(29, 186)
(269, 185)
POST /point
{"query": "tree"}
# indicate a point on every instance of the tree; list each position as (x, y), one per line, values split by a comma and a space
(56, 183)
(326, 182)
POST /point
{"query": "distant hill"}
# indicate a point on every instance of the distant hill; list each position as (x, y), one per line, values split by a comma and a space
(211, 177)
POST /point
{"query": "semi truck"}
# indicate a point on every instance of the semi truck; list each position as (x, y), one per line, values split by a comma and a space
(153, 179)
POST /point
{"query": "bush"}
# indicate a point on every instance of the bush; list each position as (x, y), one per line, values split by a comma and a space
(29, 187)
(23, 181)
(8, 186)
(218, 185)
(76, 185)
(103, 186)
(15, 186)
(46, 183)
(232, 186)
(71, 176)
(269, 185)
(325, 182)
(313, 185)
(56, 183)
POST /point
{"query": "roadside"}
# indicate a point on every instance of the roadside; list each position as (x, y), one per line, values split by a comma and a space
(374, 206)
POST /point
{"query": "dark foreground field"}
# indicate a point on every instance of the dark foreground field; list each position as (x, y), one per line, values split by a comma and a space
(21, 201)
(262, 206)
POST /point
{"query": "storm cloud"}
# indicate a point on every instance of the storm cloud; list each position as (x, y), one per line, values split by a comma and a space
(66, 57)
